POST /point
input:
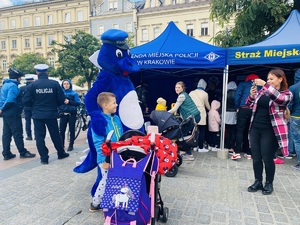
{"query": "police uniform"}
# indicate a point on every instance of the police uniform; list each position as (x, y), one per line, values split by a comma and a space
(45, 96)
(27, 110)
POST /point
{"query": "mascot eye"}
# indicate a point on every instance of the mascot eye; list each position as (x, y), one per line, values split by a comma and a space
(119, 53)
(128, 52)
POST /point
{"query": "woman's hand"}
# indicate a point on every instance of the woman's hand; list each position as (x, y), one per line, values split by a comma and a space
(253, 91)
(259, 82)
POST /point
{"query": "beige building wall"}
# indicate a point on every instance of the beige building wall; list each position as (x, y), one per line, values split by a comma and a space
(32, 27)
(186, 15)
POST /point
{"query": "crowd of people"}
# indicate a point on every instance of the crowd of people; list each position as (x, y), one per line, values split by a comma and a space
(257, 121)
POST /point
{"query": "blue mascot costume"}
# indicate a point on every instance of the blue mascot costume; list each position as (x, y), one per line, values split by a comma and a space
(116, 63)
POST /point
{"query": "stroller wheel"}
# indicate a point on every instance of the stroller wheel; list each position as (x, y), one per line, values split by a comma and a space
(165, 215)
(158, 212)
(172, 172)
(179, 160)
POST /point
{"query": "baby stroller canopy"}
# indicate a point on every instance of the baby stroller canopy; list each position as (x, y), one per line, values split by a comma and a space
(167, 123)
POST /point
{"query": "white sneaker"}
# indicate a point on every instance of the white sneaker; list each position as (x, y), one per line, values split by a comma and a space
(195, 149)
(209, 148)
(202, 150)
(214, 149)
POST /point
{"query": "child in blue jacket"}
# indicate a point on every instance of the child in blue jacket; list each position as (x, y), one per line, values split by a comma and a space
(107, 101)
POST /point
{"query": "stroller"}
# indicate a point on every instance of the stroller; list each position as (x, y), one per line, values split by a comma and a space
(185, 133)
(127, 149)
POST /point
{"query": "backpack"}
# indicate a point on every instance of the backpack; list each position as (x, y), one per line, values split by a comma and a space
(129, 193)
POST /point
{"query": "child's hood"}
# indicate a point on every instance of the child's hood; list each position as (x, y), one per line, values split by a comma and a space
(215, 105)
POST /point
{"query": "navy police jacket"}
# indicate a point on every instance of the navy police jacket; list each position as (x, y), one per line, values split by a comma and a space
(44, 96)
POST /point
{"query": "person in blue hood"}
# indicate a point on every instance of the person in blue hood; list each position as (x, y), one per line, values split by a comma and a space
(294, 123)
(11, 108)
(67, 112)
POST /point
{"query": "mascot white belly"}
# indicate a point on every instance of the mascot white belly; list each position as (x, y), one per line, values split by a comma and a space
(130, 111)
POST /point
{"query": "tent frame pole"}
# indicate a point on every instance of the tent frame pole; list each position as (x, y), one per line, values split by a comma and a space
(224, 102)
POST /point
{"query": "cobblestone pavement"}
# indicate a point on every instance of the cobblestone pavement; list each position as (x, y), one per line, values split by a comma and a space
(205, 191)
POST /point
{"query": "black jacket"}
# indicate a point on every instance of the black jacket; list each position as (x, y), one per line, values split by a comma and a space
(22, 92)
(230, 105)
(44, 96)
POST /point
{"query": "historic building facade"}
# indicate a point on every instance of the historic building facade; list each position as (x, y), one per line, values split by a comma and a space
(32, 27)
(108, 14)
(192, 17)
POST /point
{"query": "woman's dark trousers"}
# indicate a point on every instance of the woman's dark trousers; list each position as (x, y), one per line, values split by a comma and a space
(64, 121)
(263, 146)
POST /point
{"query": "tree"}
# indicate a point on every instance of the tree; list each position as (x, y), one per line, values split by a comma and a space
(255, 20)
(27, 61)
(73, 57)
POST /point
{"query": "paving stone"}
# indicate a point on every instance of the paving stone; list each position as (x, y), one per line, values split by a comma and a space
(204, 219)
(266, 218)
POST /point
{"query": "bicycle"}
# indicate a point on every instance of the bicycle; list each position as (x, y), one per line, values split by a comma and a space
(82, 120)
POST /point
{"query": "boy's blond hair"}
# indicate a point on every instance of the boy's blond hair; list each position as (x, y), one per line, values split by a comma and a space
(104, 97)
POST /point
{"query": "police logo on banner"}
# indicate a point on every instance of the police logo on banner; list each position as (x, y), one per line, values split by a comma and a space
(211, 56)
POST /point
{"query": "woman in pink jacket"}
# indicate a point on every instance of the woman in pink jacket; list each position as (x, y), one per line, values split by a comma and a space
(214, 122)
(268, 128)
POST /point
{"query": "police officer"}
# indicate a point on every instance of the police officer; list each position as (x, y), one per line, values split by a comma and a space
(27, 110)
(45, 96)
(11, 109)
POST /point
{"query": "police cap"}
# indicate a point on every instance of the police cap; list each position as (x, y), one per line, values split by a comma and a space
(115, 37)
(41, 68)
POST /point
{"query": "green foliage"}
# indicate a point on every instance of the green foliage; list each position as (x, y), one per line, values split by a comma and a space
(255, 20)
(130, 40)
(73, 57)
(27, 61)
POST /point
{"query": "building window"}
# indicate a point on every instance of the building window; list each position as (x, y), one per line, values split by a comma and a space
(27, 43)
(67, 17)
(38, 41)
(37, 21)
(129, 27)
(115, 26)
(49, 20)
(145, 34)
(113, 5)
(51, 61)
(4, 64)
(79, 16)
(25, 22)
(204, 29)
(156, 32)
(174, 2)
(3, 45)
(50, 39)
(13, 24)
(13, 44)
(190, 30)
(67, 38)
(2, 25)
(101, 29)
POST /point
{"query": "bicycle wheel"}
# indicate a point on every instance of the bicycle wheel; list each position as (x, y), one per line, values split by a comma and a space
(78, 126)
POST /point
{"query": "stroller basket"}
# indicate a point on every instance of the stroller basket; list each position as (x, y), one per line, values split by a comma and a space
(189, 132)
